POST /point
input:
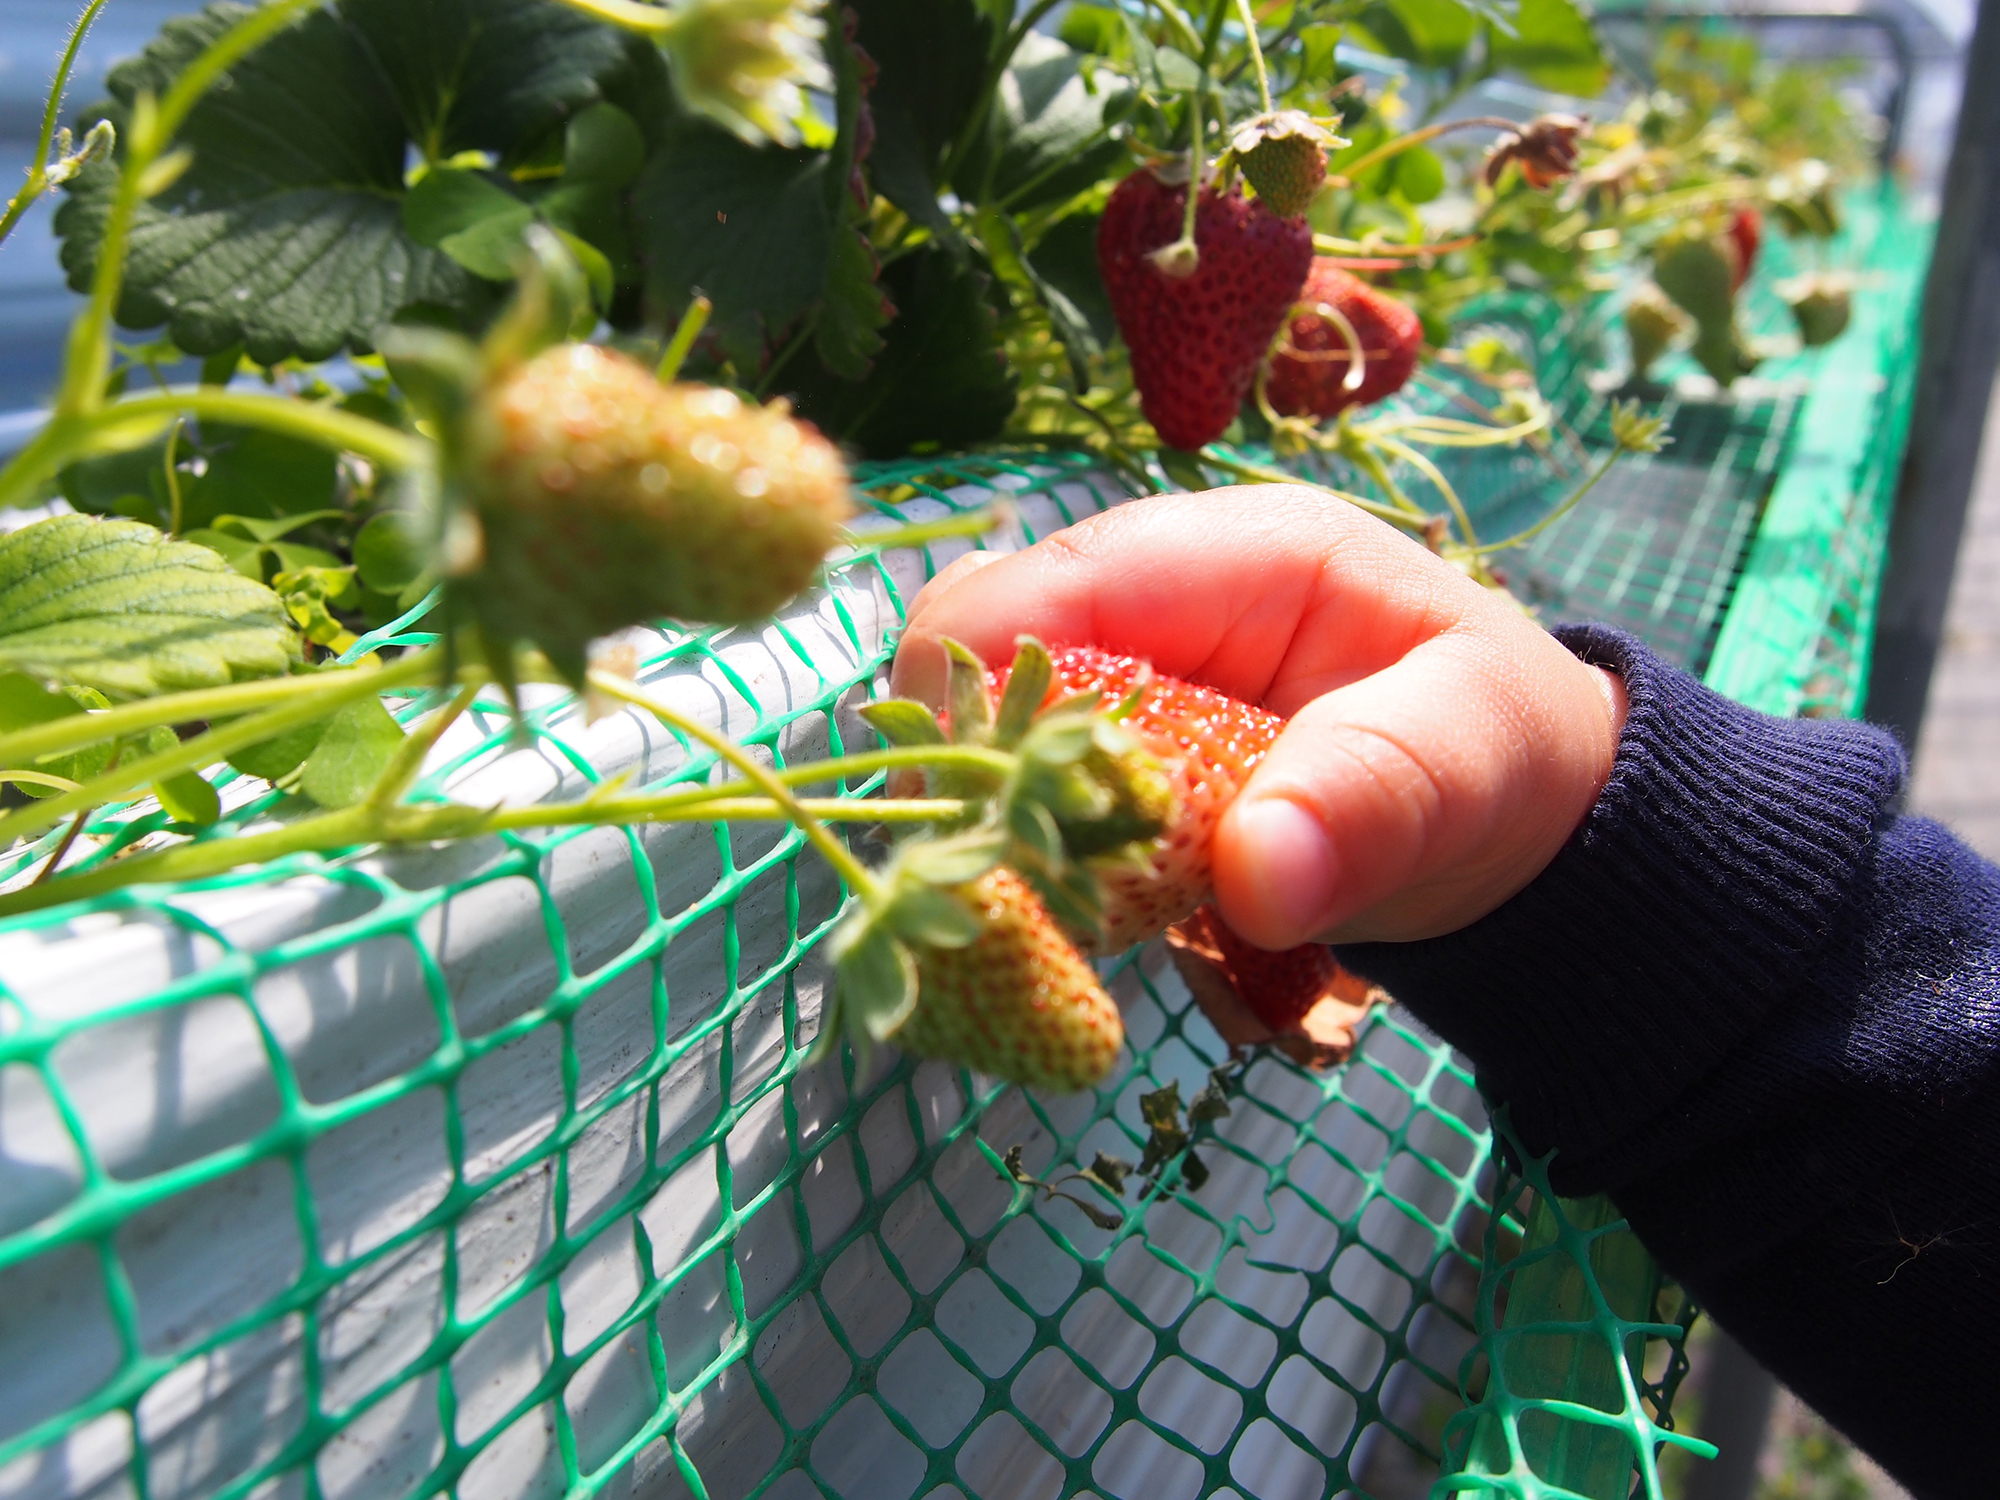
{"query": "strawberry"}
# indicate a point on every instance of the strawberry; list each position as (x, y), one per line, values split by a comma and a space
(1651, 323)
(1197, 339)
(604, 499)
(1283, 156)
(1207, 744)
(1308, 376)
(1300, 1000)
(1699, 268)
(1018, 1000)
(1822, 305)
(1746, 233)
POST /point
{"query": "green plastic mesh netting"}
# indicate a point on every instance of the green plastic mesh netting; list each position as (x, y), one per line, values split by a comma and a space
(495, 1170)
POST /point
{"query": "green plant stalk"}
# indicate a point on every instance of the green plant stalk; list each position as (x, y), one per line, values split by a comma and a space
(1408, 520)
(38, 170)
(1422, 464)
(685, 333)
(623, 810)
(409, 757)
(1179, 21)
(1570, 503)
(79, 730)
(67, 436)
(1413, 138)
(336, 690)
(922, 533)
(87, 360)
(850, 869)
(1256, 52)
(652, 20)
(357, 827)
(896, 757)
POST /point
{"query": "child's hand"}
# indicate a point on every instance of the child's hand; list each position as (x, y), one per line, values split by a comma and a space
(1442, 747)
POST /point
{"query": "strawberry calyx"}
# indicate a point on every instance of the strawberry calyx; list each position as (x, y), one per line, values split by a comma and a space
(1082, 791)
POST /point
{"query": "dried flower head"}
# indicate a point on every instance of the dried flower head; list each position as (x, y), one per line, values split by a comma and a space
(746, 63)
(1545, 150)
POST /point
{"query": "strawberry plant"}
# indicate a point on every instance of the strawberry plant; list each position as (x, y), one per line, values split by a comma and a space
(558, 316)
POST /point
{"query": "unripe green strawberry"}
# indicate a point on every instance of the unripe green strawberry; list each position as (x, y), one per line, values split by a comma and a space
(1697, 269)
(1698, 266)
(1822, 305)
(1283, 156)
(604, 499)
(1018, 1000)
(1651, 323)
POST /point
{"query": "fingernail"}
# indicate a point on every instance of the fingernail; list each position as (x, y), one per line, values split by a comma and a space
(1289, 862)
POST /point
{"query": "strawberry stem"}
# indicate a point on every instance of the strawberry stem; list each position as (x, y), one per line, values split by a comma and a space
(1353, 169)
(685, 333)
(850, 869)
(333, 691)
(1256, 53)
(1411, 519)
(87, 359)
(68, 434)
(38, 170)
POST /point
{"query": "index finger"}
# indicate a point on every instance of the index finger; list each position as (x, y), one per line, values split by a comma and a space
(1273, 594)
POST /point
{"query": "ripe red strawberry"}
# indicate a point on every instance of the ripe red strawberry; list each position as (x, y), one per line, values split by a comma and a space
(1301, 1000)
(1196, 340)
(1207, 743)
(1308, 381)
(604, 499)
(1018, 1001)
(1746, 232)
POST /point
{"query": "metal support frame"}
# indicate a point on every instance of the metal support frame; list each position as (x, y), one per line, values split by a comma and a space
(1961, 344)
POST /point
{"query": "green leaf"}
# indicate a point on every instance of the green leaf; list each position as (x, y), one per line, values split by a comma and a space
(386, 554)
(1554, 47)
(942, 378)
(1064, 262)
(1433, 33)
(185, 796)
(450, 201)
(747, 227)
(25, 703)
(1042, 143)
(931, 56)
(252, 472)
(354, 750)
(603, 145)
(107, 483)
(878, 982)
(1092, 28)
(855, 311)
(276, 758)
(286, 235)
(1419, 174)
(189, 798)
(118, 607)
(901, 721)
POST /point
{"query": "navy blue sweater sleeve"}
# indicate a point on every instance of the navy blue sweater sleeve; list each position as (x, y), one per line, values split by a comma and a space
(1762, 1012)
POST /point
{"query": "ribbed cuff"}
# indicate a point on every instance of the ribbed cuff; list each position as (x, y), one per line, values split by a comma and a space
(1710, 871)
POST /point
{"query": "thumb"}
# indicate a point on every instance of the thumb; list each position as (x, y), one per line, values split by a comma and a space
(1419, 798)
